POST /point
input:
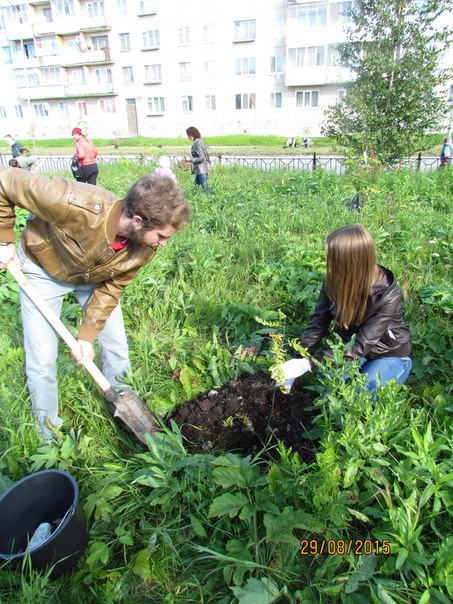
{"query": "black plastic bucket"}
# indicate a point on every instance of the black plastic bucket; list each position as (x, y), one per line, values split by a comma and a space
(48, 496)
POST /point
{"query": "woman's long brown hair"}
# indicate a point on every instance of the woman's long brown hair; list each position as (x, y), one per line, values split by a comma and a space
(351, 269)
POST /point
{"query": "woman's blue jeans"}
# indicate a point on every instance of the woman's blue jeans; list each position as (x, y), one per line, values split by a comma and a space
(379, 371)
(41, 342)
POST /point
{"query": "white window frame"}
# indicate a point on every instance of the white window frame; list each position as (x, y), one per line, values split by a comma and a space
(187, 103)
(153, 72)
(82, 106)
(277, 63)
(96, 8)
(244, 30)
(276, 100)
(125, 42)
(41, 109)
(208, 33)
(128, 75)
(185, 71)
(107, 105)
(210, 102)
(151, 39)
(245, 100)
(63, 108)
(184, 35)
(307, 99)
(3, 114)
(156, 105)
(245, 66)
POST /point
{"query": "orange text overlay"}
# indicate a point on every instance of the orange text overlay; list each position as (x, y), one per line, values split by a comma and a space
(313, 547)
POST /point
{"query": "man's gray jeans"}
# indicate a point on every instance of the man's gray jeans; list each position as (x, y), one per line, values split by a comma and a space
(41, 342)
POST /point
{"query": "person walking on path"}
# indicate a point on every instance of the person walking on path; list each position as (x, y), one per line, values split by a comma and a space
(199, 157)
(364, 300)
(87, 154)
(84, 240)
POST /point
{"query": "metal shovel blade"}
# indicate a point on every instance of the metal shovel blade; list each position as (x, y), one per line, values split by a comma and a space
(133, 412)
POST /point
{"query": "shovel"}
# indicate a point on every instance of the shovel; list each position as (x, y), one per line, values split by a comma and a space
(129, 407)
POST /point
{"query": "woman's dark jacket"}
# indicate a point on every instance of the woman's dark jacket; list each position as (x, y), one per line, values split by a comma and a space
(381, 333)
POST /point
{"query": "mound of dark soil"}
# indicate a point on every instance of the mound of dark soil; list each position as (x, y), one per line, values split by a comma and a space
(246, 414)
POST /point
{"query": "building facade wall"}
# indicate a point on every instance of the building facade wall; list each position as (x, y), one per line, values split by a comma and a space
(119, 68)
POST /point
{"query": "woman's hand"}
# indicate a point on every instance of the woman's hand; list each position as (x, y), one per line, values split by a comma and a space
(286, 374)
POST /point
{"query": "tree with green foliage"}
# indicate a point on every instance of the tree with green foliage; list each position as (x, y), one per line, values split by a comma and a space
(395, 98)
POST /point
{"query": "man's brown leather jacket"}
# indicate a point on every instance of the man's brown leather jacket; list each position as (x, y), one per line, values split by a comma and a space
(70, 234)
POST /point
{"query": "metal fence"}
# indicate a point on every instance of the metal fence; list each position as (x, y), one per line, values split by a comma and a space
(60, 163)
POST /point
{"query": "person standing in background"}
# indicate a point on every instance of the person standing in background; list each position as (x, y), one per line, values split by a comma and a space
(87, 154)
(445, 154)
(16, 147)
(201, 162)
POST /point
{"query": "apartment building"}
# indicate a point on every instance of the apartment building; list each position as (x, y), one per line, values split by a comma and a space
(121, 68)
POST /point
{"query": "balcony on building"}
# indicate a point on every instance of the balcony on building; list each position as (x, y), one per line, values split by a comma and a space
(88, 57)
(65, 91)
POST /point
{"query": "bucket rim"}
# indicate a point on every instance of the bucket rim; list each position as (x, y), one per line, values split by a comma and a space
(68, 514)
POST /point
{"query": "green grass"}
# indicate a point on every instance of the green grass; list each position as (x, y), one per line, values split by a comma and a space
(168, 526)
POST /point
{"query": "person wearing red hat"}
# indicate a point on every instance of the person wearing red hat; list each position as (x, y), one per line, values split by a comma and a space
(87, 154)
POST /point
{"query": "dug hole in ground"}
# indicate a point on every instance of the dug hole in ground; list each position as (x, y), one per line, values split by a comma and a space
(245, 415)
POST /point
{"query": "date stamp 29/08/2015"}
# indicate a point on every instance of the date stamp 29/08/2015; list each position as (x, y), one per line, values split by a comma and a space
(313, 547)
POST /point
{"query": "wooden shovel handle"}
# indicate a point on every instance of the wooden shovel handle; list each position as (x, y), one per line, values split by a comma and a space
(55, 322)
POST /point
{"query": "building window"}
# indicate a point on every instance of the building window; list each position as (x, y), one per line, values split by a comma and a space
(208, 32)
(107, 105)
(47, 14)
(103, 75)
(156, 104)
(121, 5)
(246, 66)
(153, 73)
(210, 102)
(3, 112)
(41, 109)
(19, 111)
(307, 98)
(209, 69)
(187, 103)
(309, 15)
(276, 100)
(48, 46)
(185, 71)
(125, 42)
(278, 25)
(277, 64)
(310, 56)
(63, 108)
(244, 30)
(128, 75)
(151, 38)
(6, 52)
(51, 75)
(82, 107)
(99, 42)
(183, 35)
(147, 7)
(96, 9)
(29, 50)
(245, 101)
(63, 8)
(77, 76)
(341, 93)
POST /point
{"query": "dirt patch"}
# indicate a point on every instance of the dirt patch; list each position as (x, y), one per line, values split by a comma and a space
(246, 414)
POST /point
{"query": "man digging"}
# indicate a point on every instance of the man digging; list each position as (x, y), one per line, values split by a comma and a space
(81, 239)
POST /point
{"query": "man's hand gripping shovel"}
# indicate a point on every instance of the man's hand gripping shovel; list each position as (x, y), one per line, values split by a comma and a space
(129, 408)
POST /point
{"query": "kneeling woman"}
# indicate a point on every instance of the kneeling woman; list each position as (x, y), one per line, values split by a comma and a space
(363, 299)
